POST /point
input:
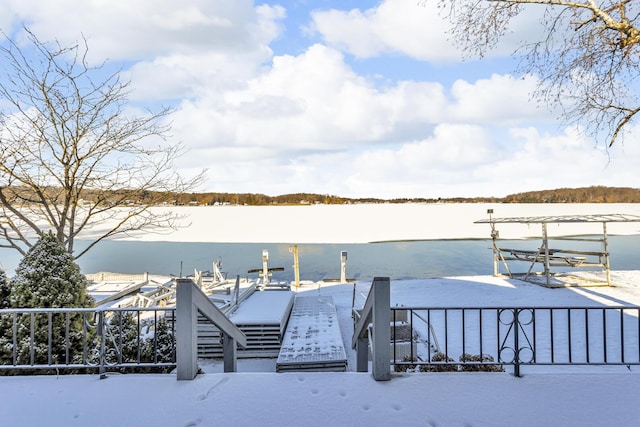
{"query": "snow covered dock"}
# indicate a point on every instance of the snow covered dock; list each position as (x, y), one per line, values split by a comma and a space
(262, 317)
(313, 341)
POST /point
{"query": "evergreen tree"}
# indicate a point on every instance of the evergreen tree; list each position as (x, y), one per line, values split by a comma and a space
(5, 320)
(4, 290)
(47, 277)
(125, 343)
(160, 348)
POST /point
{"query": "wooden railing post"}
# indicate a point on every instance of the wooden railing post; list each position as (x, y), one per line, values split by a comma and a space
(381, 348)
(376, 311)
(229, 353)
(186, 331)
(190, 300)
(362, 354)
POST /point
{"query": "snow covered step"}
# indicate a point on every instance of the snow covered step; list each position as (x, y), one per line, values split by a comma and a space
(312, 341)
(262, 318)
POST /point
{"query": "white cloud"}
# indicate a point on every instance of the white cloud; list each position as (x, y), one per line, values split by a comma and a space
(181, 76)
(309, 102)
(499, 99)
(393, 26)
(467, 161)
(173, 49)
(315, 102)
(133, 30)
(7, 16)
(350, 31)
(419, 30)
(420, 168)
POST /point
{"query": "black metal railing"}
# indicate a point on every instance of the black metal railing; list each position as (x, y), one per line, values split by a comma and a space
(489, 338)
(87, 340)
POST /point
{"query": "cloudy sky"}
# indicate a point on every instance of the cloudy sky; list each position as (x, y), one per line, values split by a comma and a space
(353, 98)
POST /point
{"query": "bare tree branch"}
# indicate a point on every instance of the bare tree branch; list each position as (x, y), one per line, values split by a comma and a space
(72, 153)
(587, 58)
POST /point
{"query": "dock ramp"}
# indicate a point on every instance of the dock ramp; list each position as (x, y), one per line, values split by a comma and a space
(312, 340)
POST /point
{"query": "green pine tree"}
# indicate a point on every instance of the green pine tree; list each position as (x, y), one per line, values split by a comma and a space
(4, 290)
(160, 348)
(123, 344)
(130, 340)
(6, 346)
(47, 277)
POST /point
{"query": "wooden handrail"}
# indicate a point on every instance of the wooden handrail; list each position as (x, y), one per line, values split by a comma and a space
(376, 312)
(190, 300)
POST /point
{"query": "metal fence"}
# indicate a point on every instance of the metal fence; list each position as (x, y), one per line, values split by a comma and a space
(44, 340)
(487, 339)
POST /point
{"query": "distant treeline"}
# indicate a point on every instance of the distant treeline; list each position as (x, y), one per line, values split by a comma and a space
(562, 195)
(22, 195)
(578, 195)
(253, 199)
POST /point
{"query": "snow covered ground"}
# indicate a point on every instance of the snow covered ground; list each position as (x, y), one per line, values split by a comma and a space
(257, 396)
(327, 399)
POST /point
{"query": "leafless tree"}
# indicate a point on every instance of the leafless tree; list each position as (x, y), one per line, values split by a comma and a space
(586, 57)
(74, 151)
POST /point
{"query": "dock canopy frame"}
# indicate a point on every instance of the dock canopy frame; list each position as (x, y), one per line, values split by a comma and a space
(553, 257)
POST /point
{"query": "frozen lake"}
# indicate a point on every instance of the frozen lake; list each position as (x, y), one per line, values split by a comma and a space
(398, 260)
(415, 240)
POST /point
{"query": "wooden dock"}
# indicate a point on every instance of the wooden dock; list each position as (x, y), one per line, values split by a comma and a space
(312, 340)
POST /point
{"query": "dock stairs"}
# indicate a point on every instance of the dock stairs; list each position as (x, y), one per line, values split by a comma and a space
(262, 317)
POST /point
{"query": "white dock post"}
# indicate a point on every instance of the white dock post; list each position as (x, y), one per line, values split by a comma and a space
(265, 267)
(343, 267)
(494, 236)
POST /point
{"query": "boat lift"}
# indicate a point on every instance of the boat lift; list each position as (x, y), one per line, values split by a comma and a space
(265, 272)
(549, 256)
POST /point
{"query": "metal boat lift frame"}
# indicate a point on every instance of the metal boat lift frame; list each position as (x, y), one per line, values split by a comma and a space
(552, 257)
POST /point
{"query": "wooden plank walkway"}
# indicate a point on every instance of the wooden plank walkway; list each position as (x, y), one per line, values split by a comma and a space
(312, 341)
